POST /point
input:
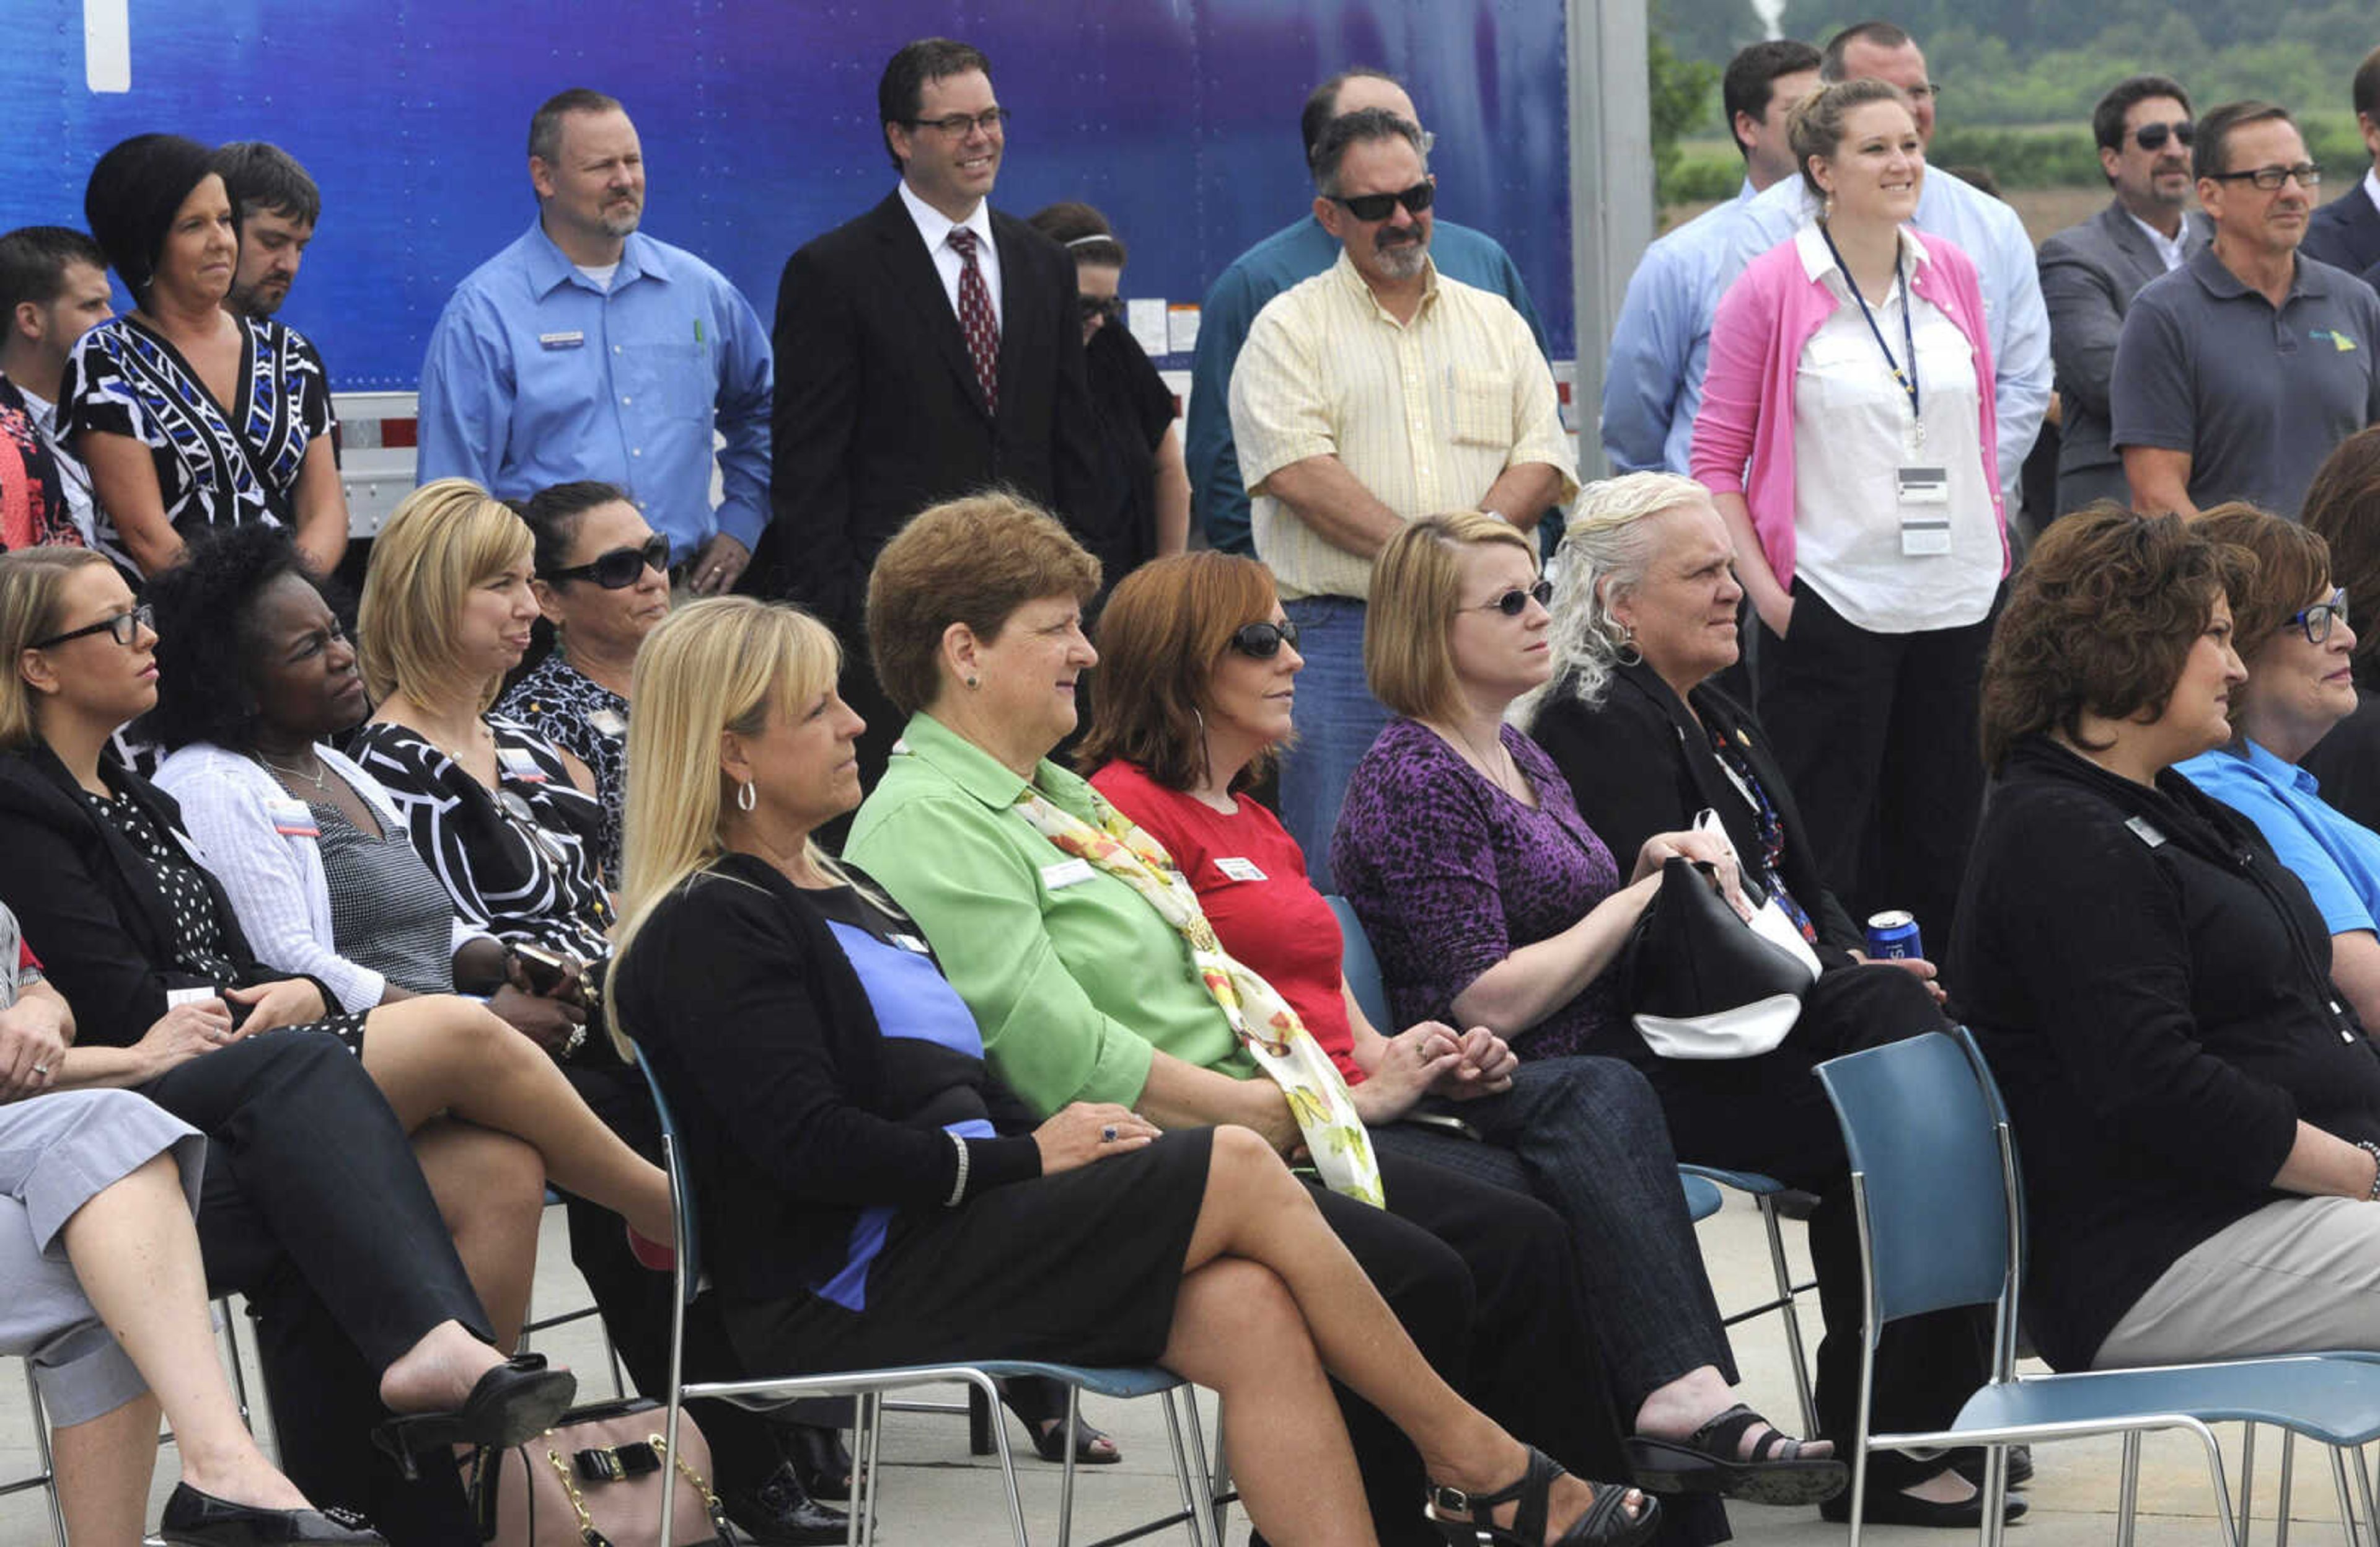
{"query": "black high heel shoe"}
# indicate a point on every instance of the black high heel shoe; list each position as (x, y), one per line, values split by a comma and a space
(1607, 1522)
(515, 1401)
(1040, 1406)
(196, 1519)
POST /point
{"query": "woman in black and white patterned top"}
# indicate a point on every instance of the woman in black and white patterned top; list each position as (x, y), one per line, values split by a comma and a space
(602, 582)
(187, 415)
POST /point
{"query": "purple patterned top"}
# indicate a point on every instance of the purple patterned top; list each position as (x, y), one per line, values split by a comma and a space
(1451, 875)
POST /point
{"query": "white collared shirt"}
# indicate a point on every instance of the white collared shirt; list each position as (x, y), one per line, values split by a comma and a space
(2372, 186)
(936, 227)
(2169, 249)
(1853, 434)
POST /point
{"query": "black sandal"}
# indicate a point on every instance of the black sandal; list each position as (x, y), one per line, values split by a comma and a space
(1607, 1522)
(515, 1401)
(1706, 1461)
(1040, 1406)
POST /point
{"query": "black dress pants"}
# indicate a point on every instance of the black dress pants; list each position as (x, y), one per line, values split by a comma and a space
(315, 1208)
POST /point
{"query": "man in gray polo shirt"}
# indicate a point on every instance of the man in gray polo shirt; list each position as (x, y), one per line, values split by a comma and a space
(2238, 372)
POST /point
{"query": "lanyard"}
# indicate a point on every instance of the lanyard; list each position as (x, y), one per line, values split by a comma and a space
(1908, 378)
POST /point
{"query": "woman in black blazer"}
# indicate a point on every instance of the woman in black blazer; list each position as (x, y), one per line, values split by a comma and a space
(325, 1218)
(1645, 614)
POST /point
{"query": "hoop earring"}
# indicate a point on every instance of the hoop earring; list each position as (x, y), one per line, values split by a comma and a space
(746, 796)
(1628, 654)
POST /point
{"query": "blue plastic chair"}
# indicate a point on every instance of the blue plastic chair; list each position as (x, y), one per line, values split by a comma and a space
(1941, 1225)
(1202, 1503)
(1361, 969)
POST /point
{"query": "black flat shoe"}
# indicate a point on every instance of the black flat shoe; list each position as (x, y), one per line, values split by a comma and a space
(196, 1519)
(2020, 1467)
(780, 1513)
(515, 1401)
(1607, 1522)
(1897, 1508)
(1709, 1461)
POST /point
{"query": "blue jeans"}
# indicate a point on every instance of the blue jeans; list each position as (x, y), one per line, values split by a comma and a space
(1337, 721)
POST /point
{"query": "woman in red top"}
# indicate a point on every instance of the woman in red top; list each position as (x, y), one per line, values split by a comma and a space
(1197, 664)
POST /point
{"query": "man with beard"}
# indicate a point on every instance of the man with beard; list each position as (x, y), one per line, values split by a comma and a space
(1374, 393)
(274, 207)
(589, 350)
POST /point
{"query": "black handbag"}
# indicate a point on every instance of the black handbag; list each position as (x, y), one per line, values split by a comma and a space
(1699, 983)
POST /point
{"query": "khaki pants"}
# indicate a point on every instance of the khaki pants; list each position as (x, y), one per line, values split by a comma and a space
(2295, 1276)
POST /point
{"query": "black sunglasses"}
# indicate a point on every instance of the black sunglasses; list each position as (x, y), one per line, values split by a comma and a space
(125, 627)
(1515, 602)
(1375, 206)
(1109, 307)
(2152, 137)
(1263, 640)
(622, 568)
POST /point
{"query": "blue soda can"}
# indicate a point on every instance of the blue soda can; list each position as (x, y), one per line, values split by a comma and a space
(1893, 937)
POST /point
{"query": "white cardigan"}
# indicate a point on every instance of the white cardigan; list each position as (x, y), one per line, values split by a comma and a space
(274, 880)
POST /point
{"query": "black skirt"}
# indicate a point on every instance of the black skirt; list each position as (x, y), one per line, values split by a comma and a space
(1079, 1268)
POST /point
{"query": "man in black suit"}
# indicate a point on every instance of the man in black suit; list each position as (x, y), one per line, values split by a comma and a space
(2345, 233)
(932, 345)
(2090, 272)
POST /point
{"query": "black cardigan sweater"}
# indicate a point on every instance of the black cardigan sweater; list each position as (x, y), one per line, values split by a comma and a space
(774, 1064)
(1638, 764)
(2153, 989)
(90, 908)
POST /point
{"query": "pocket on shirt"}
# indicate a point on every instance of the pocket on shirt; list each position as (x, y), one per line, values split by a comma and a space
(1479, 407)
(672, 380)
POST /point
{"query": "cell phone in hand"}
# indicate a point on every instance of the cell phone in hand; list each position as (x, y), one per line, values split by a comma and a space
(549, 974)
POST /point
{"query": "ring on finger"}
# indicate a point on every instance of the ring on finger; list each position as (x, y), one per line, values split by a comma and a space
(41, 1068)
(1107, 1134)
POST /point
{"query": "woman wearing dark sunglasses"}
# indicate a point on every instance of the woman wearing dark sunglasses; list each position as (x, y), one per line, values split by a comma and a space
(1201, 665)
(602, 582)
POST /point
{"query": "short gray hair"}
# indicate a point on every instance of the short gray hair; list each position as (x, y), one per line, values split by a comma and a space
(1602, 557)
(545, 125)
(1362, 127)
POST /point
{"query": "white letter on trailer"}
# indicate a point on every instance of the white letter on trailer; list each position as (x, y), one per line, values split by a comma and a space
(107, 46)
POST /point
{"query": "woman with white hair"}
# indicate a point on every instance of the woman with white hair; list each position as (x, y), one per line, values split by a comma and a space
(1643, 618)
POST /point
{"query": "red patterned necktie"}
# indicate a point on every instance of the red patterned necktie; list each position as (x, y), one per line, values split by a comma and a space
(976, 319)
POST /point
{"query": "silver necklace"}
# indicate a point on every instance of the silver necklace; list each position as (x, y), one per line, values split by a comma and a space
(1487, 765)
(319, 778)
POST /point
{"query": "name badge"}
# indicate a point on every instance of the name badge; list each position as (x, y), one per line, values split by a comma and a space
(609, 722)
(911, 943)
(175, 998)
(1066, 873)
(292, 820)
(517, 764)
(1240, 869)
(2146, 831)
(571, 340)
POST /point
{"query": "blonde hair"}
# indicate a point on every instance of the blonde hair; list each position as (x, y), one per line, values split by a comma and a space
(1416, 593)
(1607, 541)
(711, 667)
(445, 538)
(32, 581)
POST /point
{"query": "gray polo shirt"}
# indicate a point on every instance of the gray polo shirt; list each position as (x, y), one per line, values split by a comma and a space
(2258, 397)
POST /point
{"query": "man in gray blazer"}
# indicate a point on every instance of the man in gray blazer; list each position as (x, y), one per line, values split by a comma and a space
(2090, 272)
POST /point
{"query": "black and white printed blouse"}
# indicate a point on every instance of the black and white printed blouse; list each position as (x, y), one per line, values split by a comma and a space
(518, 860)
(217, 466)
(590, 721)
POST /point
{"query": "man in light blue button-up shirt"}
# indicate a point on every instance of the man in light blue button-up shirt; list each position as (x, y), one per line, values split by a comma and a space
(589, 350)
(1982, 227)
(1660, 344)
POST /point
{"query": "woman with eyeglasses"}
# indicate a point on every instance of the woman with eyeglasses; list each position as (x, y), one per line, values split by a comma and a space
(2342, 507)
(1847, 436)
(1201, 665)
(1138, 437)
(601, 582)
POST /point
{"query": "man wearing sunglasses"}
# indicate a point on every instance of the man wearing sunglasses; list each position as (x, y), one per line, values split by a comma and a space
(2237, 373)
(2091, 272)
(2345, 233)
(1374, 393)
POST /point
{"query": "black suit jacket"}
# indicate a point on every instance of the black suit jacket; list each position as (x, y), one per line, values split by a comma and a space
(2345, 233)
(879, 415)
(1639, 764)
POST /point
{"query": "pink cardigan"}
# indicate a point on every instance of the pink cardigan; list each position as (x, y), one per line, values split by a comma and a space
(1744, 437)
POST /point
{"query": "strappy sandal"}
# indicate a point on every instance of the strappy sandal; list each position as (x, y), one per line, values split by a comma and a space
(1607, 1522)
(1707, 1461)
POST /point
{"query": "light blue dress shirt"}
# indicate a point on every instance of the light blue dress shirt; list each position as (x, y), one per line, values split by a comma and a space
(1660, 345)
(2337, 858)
(1987, 231)
(1291, 256)
(538, 376)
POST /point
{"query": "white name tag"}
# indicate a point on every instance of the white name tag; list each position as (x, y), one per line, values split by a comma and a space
(911, 943)
(571, 340)
(292, 820)
(2146, 831)
(518, 764)
(175, 998)
(1066, 873)
(1240, 869)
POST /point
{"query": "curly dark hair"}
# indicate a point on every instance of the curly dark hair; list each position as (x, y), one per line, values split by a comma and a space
(203, 599)
(2100, 621)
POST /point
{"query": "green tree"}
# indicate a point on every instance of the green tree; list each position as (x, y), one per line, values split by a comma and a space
(1680, 93)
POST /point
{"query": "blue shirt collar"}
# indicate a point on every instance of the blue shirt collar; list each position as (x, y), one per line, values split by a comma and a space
(549, 266)
(2273, 769)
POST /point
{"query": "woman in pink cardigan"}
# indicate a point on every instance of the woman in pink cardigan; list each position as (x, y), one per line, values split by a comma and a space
(1847, 438)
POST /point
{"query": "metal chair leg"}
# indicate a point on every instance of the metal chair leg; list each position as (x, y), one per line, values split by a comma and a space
(1186, 1478)
(1217, 1502)
(2247, 1477)
(2289, 1461)
(42, 1452)
(1786, 1310)
(2364, 1488)
(1070, 1428)
(2346, 1509)
(2128, 1506)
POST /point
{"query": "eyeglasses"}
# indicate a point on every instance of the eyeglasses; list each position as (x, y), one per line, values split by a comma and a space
(2152, 137)
(124, 628)
(2316, 620)
(1925, 90)
(956, 125)
(622, 568)
(1262, 641)
(2270, 178)
(1515, 602)
(1107, 307)
(1376, 206)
